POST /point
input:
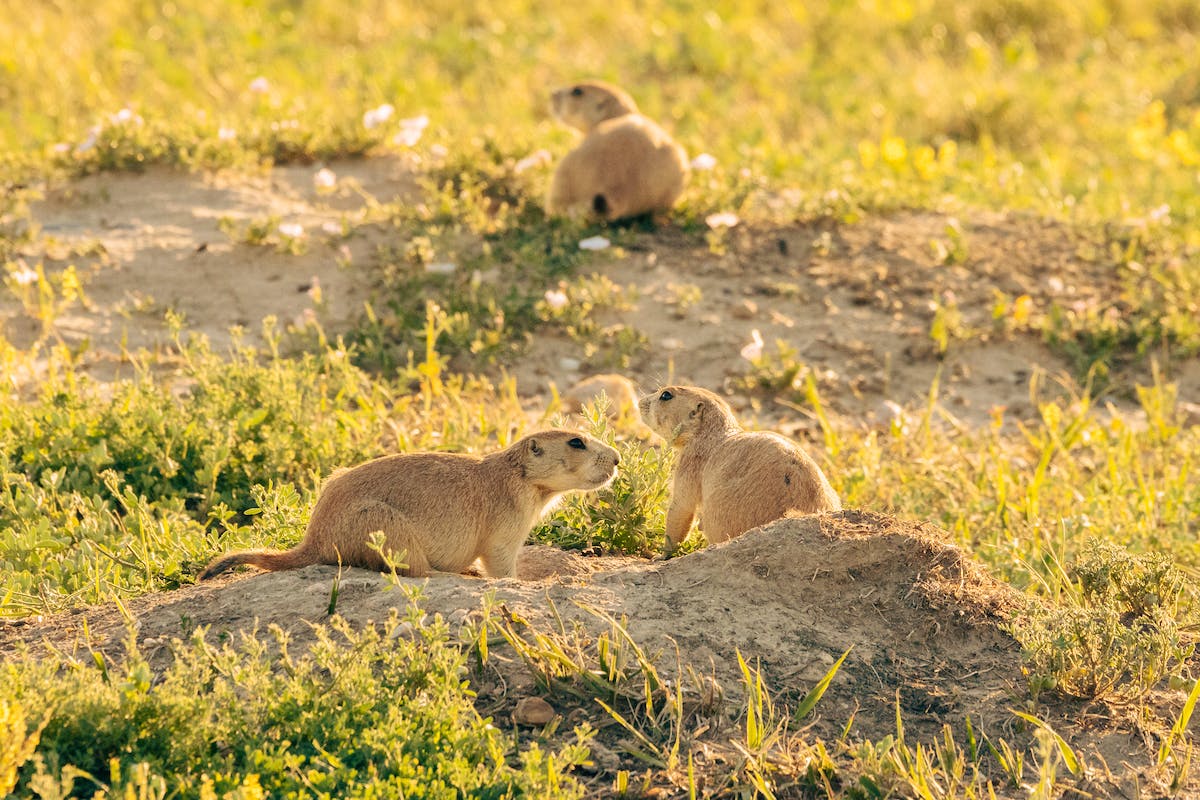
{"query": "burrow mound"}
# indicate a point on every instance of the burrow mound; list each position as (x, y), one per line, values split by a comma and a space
(923, 623)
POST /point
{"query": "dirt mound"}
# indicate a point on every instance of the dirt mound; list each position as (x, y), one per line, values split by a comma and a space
(922, 622)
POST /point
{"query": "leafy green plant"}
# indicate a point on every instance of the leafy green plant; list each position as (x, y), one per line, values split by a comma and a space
(1122, 639)
(629, 515)
(360, 712)
(1139, 584)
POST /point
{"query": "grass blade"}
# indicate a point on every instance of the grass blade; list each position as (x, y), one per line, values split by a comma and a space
(1069, 757)
(812, 698)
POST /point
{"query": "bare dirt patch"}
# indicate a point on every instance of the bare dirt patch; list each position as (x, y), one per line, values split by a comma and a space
(147, 243)
(855, 302)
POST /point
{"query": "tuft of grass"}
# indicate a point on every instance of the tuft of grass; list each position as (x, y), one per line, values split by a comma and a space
(1121, 633)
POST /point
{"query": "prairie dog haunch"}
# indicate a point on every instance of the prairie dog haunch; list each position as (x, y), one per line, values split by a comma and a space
(626, 164)
(735, 479)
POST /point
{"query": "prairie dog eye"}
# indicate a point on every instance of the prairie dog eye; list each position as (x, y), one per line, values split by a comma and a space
(577, 92)
(577, 443)
(665, 396)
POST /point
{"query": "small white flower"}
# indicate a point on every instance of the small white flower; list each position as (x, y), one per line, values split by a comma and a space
(1055, 283)
(1161, 214)
(534, 159)
(556, 299)
(293, 230)
(594, 243)
(406, 138)
(377, 116)
(260, 85)
(704, 161)
(754, 350)
(25, 276)
(724, 219)
(439, 150)
(411, 130)
(123, 116)
(90, 141)
(324, 178)
(62, 147)
(331, 227)
(441, 267)
(226, 134)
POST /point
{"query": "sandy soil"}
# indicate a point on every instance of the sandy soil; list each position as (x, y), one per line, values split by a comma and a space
(854, 301)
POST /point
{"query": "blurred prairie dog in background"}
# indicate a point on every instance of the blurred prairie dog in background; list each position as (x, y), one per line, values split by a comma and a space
(620, 391)
(626, 164)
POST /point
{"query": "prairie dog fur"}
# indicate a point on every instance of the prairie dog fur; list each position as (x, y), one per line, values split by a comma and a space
(736, 479)
(626, 164)
(621, 393)
(444, 510)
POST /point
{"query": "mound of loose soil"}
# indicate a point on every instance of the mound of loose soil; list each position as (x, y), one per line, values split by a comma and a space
(922, 620)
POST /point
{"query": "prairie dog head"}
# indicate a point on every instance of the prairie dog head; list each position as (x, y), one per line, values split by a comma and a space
(585, 105)
(560, 460)
(680, 413)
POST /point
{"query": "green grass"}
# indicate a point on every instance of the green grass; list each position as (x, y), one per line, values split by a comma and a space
(1085, 112)
(362, 714)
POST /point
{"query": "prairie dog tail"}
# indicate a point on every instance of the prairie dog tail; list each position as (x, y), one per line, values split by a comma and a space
(263, 559)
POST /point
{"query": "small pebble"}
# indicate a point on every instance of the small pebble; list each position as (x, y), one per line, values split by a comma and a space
(744, 309)
(533, 711)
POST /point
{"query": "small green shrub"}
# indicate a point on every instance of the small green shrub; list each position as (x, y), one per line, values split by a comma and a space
(1139, 584)
(1124, 636)
(629, 516)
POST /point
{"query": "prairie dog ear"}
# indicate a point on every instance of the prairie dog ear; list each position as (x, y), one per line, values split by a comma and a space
(534, 447)
(698, 411)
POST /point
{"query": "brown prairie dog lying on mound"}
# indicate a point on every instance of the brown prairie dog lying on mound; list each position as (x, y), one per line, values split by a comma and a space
(737, 479)
(443, 509)
(622, 396)
(626, 164)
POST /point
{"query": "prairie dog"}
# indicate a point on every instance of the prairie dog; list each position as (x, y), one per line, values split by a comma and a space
(622, 396)
(736, 479)
(443, 509)
(626, 164)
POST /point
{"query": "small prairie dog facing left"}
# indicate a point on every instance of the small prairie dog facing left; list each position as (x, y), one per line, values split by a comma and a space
(626, 164)
(441, 511)
(620, 391)
(736, 479)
